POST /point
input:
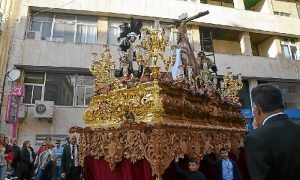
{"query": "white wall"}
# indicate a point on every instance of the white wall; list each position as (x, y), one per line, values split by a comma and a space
(64, 118)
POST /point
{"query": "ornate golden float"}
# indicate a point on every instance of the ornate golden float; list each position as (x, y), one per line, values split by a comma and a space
(158, 118)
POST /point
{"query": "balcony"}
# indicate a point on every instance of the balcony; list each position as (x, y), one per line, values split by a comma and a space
(234, 19)
(58, 54)
(259, 67)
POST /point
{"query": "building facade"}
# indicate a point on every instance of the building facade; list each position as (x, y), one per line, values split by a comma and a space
(9, 11)
(53, 40)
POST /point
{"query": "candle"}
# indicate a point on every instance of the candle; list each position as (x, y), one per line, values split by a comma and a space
(94, 55)
(112, 73)
(222, 84)
(240, 76)
(125, 69)
(228, 69)
(190, 71)
(215, 81)
(204, 64)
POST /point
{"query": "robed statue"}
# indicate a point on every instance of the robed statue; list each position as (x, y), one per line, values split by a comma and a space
(186, 51)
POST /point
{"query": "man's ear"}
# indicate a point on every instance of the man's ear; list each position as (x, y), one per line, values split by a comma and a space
(258, 110)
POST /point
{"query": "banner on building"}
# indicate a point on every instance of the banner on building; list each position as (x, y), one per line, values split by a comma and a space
(13, 104)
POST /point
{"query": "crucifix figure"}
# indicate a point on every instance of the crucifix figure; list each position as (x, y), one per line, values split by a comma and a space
(186, 51)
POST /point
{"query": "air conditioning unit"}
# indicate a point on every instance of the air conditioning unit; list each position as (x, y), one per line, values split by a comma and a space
(43, 109)
(33, 35)
(22, 111)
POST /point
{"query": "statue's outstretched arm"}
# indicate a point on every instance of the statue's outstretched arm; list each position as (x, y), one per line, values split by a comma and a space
(200, 14)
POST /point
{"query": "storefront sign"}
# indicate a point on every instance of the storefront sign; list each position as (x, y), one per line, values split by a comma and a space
(13, 104)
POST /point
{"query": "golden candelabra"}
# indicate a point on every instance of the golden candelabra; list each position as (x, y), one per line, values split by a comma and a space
(103, 69)
(206, 78)
(153, 47)
(230, 86)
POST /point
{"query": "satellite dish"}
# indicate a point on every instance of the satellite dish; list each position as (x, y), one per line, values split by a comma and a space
(14, 75)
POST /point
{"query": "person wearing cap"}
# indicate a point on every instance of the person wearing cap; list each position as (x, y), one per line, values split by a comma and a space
(57, 151)
(45, 163)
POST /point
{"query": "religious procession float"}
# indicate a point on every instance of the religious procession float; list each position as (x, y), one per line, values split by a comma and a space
(174, 105)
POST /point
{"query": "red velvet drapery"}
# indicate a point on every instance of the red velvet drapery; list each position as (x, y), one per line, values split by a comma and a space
(125, 170)
(141, 170)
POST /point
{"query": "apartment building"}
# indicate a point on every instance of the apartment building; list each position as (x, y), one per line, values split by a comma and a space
(53, 40)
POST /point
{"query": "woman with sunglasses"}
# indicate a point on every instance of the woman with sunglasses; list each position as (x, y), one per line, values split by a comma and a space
(45, 161)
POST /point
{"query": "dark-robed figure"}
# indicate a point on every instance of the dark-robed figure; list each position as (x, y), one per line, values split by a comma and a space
(129, 33)
(27, 158)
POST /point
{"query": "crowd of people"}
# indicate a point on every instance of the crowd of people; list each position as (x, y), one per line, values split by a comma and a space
(49, 162)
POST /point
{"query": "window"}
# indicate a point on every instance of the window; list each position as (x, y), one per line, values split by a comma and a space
(65, 28)
(59, 88)
(244, 95)
(289, 49)
(84, 90)
(34, 84)
(290, 92)
(282, 14)
(42, 23)
(114, 28)
(63, 89)
(114, 31)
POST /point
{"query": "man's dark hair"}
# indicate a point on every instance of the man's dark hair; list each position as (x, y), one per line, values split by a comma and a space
(268, 97)
(194, 160)
(224, 149)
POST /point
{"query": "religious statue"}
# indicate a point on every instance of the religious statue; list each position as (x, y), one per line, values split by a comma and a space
(129, 34)
(187, 54)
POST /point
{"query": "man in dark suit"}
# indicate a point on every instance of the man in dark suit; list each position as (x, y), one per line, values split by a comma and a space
(71, 169)
(227, 168)
(273, 149)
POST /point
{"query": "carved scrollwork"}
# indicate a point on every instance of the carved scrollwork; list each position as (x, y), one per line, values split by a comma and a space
(158, 143)
(113, 148)
(159, 151)
(134, 145)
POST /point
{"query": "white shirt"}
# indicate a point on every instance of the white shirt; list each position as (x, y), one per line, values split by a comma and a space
(76, 160)
(272, 115)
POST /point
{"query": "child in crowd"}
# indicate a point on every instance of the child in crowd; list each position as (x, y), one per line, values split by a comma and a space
(193, 173)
